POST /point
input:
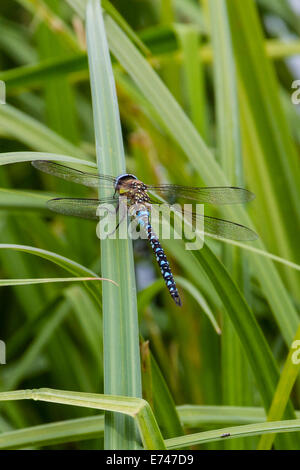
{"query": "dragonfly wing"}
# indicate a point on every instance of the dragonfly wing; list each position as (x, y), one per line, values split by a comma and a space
(84, 208)
(225, 229)
(219, 228)
(71, 174)
(207, 195)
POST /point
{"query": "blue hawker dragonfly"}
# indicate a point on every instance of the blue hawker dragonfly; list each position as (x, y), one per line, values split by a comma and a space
(137, 193)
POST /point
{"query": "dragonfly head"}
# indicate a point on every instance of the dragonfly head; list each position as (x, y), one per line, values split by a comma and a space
(130, 187)
(123, 182)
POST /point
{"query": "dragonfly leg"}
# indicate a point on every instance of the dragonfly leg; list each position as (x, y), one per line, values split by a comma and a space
(120, 221)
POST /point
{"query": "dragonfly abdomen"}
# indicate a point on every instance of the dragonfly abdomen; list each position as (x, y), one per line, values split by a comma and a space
(143, 219)
(163, 265)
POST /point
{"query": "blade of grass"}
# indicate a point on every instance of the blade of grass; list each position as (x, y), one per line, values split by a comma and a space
(113, 12)
(73, 430)
(120, 319)
(33, 75)
(163, 403)
(194, 77)
(17, 199)
(68, 264)
(54, 433)
(24, 282)
(136, 408)
(197, 416)
(236, 384)
(287, 426)
(16, 265)
(18, 157)
(287, 380)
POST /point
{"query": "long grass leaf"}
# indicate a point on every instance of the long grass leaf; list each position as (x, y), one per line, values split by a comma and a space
(287, 380)
(120, 330)
(136, 408)
(69, 265)
(287, 426)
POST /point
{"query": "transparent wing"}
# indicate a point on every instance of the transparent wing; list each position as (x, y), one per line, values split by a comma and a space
(226, 229)
(221, 228)
(70, 174)
(84, 208)
(207, 195)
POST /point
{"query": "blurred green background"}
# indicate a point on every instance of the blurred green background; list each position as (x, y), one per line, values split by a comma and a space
(230, 67)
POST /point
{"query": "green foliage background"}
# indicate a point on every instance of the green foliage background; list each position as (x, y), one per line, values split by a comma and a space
(204, 93)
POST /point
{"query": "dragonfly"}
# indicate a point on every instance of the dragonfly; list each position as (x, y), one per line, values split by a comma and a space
(138, 194)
